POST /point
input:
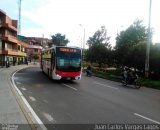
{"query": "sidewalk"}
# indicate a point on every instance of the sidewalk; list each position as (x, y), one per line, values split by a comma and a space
(10, 110)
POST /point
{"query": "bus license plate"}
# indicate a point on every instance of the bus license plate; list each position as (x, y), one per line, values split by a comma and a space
(68, 78)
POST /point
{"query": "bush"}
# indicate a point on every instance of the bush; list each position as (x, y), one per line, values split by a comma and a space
(114, 75)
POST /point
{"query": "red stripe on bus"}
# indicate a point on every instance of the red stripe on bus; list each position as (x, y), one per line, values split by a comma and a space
(68, 74)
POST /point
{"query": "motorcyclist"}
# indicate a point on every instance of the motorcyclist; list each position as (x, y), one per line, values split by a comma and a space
(88, 71)
(132, 75)
(125, 74)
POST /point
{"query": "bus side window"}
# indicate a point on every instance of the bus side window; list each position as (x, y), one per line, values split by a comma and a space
(53, 59)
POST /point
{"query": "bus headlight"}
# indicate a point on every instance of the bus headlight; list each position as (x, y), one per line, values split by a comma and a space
(78, 77)
(58, 76)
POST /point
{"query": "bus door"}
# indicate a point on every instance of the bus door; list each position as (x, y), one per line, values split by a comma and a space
(52, 63)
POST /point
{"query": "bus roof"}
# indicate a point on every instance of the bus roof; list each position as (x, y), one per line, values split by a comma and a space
(75, 47)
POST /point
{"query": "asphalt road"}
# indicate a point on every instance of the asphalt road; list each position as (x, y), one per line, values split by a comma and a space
(91, 100)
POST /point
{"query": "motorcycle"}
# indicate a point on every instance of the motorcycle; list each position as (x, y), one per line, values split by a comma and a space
(132, 81)
(88, 73)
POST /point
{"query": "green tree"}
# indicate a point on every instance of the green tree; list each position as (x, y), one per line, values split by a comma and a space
(99, 47)
(35, 57)
(155, 57)
(131, 45)
(59, 40)
(97, 53)
(99, 37)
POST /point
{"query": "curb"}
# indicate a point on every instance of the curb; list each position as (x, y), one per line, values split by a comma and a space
(31, 117)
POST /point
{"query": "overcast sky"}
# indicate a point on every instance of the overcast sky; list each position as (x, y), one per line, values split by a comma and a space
(48, 17)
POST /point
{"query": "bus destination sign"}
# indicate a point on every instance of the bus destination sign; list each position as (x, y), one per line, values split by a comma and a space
(68, 50)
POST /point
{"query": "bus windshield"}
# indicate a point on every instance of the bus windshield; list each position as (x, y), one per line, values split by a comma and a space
(68, 61)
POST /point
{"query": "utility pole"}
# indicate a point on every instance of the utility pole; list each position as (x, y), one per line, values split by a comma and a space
(83, 47)
(84, 33)
(19, 17)
(148, 42)
(83, 44)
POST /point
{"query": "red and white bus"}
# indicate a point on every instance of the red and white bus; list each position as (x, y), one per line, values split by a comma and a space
(62, 62)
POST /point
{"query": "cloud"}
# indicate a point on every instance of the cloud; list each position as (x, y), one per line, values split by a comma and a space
(64, 16)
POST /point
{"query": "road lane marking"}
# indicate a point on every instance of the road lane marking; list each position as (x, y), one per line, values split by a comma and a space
(18, 83)
(70, 87)
(147, 118)
(45, 101)
(32, 98)
(49, 117)
(105, 85)
(16, 78)
(32, 114)
(24, 89)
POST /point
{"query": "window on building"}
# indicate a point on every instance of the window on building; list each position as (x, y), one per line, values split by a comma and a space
(19, 47)
(11, 33)
(8, 46)
(1, 19)
(36, 50)
(0, 45)
(22, 49)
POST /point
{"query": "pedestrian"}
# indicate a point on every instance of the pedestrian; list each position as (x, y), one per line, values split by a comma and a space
(7, 63)
(14, 62)
(88, 71)
(26, 61)
(125, 74)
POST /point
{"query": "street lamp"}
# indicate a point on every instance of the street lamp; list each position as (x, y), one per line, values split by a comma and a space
(83, 36)
(148, 43)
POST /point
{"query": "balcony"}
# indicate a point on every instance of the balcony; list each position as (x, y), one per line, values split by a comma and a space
(21, 53)
(8, 26)
(12, 39)
(36, 53)
(9, 52)
(34, 47)
(11, 27)
(9, 38)
(2, 24)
